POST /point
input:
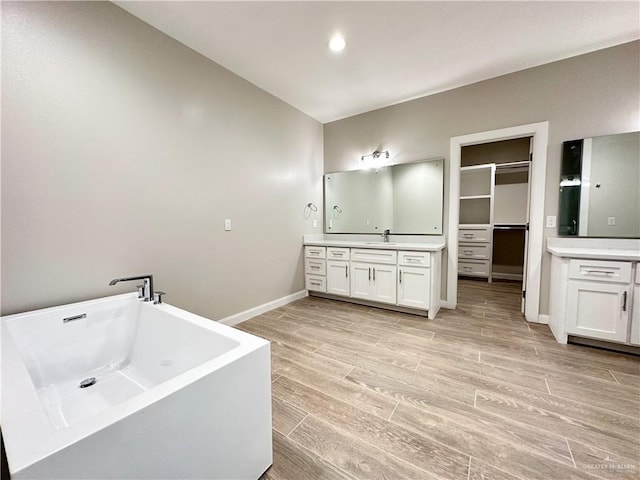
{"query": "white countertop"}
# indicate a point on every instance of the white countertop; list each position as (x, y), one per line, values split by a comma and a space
(600, 253)
(434, 246)
(603, 249)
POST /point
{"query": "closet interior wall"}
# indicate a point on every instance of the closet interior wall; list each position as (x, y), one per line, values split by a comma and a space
(510, 222)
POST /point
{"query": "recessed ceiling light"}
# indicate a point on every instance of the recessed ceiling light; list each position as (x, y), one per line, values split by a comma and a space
(337, 43)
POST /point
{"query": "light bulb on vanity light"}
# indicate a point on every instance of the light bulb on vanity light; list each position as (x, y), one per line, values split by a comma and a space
(337, 43)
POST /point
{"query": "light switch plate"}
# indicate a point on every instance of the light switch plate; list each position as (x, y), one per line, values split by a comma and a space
(315, 223)
(227, 224)
(611, 221)
(551, 221)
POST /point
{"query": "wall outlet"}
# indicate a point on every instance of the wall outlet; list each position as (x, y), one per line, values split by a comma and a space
(551, 221)
(227, 225)
(611, 221)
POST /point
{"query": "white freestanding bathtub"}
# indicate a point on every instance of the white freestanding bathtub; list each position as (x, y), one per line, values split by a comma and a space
(120, 388)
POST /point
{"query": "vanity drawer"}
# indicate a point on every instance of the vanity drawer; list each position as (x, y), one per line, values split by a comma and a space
(315, 252)
(473, 250)
(337, 253)
(474, 234)
(315, 267)
(474, 268)
(316, 283)
(414, 259)
(374, 256)
(600, 270)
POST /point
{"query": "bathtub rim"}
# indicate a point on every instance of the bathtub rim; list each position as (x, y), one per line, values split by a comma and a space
(28, 434)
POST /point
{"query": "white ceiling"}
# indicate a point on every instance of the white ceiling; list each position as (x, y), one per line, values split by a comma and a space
(395, 51)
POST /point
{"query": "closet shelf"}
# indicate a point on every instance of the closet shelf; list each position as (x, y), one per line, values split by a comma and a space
(474, 197)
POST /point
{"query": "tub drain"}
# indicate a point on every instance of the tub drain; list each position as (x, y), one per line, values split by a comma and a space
(87, 382)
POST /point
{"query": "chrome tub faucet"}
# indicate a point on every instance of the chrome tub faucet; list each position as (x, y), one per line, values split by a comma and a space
(148, 294)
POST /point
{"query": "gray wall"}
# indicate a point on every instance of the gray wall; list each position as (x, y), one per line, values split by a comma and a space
(123, 151)
(588, 95)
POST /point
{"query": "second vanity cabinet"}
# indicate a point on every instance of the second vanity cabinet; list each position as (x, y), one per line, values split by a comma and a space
(634, 336)
(595, 290)
(389, 277)
(599, 299)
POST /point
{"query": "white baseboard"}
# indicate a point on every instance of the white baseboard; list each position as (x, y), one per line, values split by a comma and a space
(265, 307)
(445, 304)
(543, 318)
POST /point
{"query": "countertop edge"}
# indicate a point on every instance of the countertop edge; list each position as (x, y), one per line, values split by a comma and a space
(595, 253)
(425, 247)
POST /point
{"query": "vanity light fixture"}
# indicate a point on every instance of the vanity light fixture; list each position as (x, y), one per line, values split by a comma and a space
(311, 207)
(375, 155)
(337, 208)
(337, 43)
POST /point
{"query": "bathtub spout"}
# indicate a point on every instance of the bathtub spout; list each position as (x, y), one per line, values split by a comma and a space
(148, 285)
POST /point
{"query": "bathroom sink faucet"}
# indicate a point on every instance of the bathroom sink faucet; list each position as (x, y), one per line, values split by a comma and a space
(385, 235)
(148, 293)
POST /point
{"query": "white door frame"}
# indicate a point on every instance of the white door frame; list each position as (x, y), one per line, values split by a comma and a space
(540, 133)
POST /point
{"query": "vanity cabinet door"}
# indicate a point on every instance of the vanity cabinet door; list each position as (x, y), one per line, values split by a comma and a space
(361, 280)
(338, 277)
(374, 281)
(384, 283)
(414, 285)
(635, 312)
(598, 310)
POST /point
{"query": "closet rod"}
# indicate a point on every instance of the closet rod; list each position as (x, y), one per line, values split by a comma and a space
(519, 163)
(510, 227)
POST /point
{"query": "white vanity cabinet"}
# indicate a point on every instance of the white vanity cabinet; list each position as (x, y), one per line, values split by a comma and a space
(373, 275)
(598, 299)
(392, 276)
(338, 277)
(414, 279)
(634, 337)
(595, 290)
(338, 271)
(315, 268)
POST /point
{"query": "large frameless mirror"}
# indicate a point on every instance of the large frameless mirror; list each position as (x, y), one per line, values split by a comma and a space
(404, 199)
(600, 187)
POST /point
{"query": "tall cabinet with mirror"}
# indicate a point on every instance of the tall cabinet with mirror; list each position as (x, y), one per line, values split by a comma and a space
(405, 274)
(595, 267)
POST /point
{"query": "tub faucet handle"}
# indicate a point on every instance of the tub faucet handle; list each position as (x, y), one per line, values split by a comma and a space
(140, 291)
(157, 298)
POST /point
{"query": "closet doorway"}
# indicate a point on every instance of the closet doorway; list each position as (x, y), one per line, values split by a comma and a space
(537, 178)
(494, 211)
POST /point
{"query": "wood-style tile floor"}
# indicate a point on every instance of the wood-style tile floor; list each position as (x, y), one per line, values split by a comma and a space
(477, 393)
